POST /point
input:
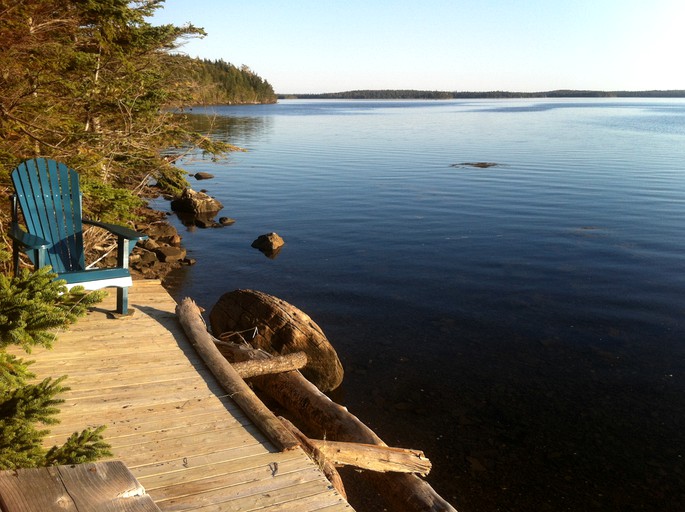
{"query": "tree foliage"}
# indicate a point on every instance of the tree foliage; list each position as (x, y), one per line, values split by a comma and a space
(94, 84)
(221, 83)
(89, 83)
(34, 304)
(411, 94)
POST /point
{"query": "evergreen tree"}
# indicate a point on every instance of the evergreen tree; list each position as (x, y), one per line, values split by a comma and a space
(88, 82)
(32, 307)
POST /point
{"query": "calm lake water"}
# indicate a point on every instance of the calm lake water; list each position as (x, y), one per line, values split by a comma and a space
(521, 323)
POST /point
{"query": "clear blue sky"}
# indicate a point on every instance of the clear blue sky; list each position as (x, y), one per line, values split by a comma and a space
(303, 46)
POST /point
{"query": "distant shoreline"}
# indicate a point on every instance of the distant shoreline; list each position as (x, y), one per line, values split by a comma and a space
(409, 94)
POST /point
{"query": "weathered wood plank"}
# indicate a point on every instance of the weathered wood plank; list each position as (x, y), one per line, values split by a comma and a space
(105, 487)
(263, 464)
(13, 495)
(304, 496)
(166, 416)
(181, 447)
(94, 487)
(255, 486)
(197, 462)
(184, 420)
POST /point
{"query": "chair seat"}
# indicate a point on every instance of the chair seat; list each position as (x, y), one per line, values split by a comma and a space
(97, 278)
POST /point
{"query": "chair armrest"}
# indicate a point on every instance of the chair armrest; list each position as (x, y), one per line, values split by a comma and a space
(26, 239)
(117, 230)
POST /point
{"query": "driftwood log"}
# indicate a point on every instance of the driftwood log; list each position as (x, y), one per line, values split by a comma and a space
(315, 454)
(193, 324)
(373, 457)
(278, 364)
(363, 456)
(407, 492)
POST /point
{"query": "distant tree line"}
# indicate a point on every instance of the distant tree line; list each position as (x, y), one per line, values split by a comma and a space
(216, 82)
(404, 94)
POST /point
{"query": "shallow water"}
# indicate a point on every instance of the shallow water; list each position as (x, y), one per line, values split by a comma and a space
(520, 323)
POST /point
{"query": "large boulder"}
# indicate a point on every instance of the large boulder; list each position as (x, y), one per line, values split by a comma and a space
(281, 329)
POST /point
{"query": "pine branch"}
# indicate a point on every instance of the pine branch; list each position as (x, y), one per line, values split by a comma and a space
(86, 446)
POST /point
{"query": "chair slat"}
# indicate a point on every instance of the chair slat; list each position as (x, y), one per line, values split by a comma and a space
(56, 200)
(74, 214)
(59, 254)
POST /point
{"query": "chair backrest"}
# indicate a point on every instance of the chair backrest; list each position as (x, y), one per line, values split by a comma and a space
(50, 199)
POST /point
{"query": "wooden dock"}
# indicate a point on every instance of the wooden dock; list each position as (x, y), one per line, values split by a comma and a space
(168, 420)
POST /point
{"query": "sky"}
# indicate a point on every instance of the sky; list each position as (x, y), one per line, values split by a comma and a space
(317, 46)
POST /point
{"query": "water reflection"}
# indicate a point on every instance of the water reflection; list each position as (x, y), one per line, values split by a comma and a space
(226, 128)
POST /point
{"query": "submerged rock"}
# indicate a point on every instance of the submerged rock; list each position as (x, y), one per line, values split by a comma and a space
(480, 165)
(281, 329)
(203, 176)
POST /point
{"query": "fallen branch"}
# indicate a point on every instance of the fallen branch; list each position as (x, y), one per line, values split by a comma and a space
(256, 367)
(315, 454)
(373, 457)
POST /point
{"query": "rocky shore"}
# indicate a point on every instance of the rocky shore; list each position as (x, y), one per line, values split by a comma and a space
(161, 253)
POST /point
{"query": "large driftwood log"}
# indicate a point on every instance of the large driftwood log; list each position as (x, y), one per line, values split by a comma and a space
(191, 320)
(279, 328)
(407, 492)
(315, 454)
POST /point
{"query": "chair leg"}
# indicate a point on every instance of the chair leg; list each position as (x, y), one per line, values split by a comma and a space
(15, 258)
(122, 301)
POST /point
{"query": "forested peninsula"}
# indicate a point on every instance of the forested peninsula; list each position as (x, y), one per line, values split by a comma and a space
(411, 94)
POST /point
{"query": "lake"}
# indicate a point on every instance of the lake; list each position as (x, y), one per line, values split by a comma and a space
(521, 323)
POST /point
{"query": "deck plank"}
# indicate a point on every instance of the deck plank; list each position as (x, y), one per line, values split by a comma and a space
(167, 419)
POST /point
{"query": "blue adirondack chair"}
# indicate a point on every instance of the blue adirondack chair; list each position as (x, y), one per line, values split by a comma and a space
(49, 195)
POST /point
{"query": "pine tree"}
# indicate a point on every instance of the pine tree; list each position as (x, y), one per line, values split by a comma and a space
(32, 306)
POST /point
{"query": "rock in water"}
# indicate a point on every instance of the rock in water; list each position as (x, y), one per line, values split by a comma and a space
(281, 329)
(268, 242)
(196, 203)
(203, 176)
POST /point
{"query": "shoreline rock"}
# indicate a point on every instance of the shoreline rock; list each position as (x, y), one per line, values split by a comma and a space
(160, 254)
(196, 203)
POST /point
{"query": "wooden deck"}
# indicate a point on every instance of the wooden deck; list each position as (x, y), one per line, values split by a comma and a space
(167, 419)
